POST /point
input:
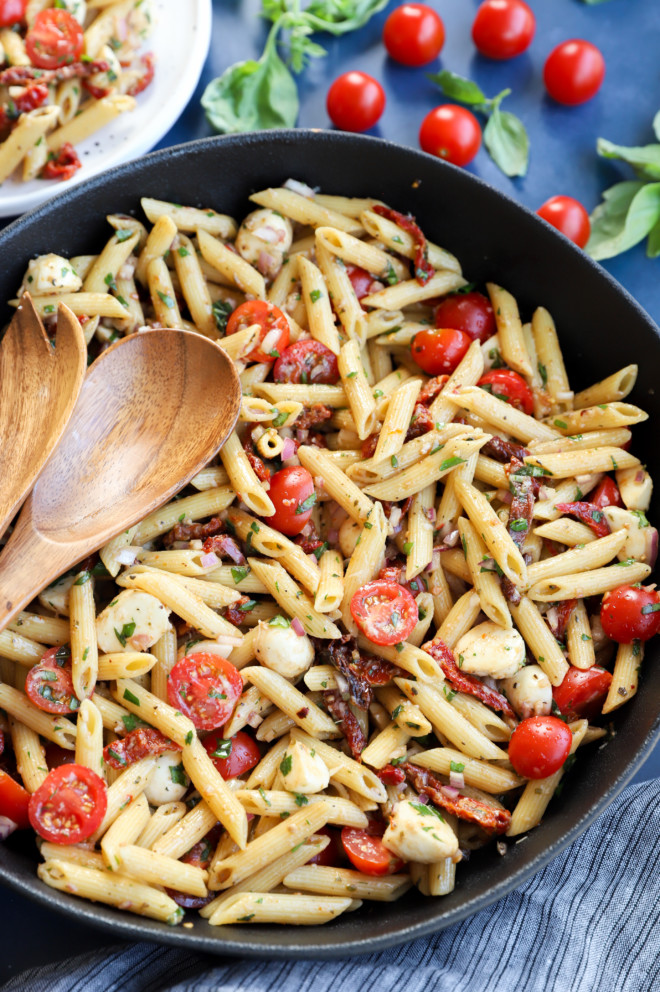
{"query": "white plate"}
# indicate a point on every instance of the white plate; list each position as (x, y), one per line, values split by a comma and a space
(180, 41)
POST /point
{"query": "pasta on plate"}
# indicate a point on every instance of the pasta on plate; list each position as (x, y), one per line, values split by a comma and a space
(371, 635)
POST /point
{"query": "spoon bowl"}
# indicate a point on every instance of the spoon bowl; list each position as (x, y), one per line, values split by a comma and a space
(152, 410)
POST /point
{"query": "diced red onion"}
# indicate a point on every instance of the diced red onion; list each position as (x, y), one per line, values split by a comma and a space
(430, 513)
(302, 435)
(333, 536)
(297, 187)
(639, 476)
(268, 234)
(209, 560)
(457, 780)
(232, 549)
(7, 827)
(450, 791)
(264, 262)
(289, 449)
(651, 546)
(298, 627)
(424, 798)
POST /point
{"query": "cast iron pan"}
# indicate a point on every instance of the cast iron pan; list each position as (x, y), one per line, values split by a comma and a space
(601, 329)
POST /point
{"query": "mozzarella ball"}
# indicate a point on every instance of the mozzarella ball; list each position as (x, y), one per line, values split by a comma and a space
(307, 773)
(49, 274)
(635, 485)
(208, 647)
(282, 650)
(349, 532)
(488, 649)
(529, 691)
(263, 239)
(107, 80)
(164, 785)
(640, 537)
(416, 833)
(138, 617)
(56, 597)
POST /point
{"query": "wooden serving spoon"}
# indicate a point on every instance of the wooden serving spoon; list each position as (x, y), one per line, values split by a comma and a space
(153, 409)
(39, 386)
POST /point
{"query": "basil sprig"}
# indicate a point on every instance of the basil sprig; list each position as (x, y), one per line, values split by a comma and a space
(505, 136)
(256, 95)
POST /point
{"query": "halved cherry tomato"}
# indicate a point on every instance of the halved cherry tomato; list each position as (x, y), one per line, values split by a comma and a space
(14, 800)
(630, 614)
(503, 29)
(439, 350)
(333, 854)
(574, 72)
(204, 687)
(452, 133)
(582, 693)
(69, 805)
(568, 216)
(413, 34)
(471, 313)
(12, 12)
(539, 746)
(235, 756)
(137, 744)
(49, 684)
(274, 333)
(292, 494)
(307, 362)
(606, 494)
(510, 387)
(384, 611)
(54, 39)
(355, 101)
(361, 280)
(367, 853)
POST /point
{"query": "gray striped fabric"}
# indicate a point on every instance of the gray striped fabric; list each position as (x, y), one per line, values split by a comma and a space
(589, 920)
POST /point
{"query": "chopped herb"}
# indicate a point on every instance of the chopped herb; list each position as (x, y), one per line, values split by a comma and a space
(456, 766)
(318, 552)
(650, 608)
(397, 710)
(279, 621)
(408, 546)
(300, 799)
(461, 659)
(189, 737)
(239, 572)
(560, 423)
(518, 525)
(245, 919)
(394, 461)
(427, 810)
(222, 750)
(306, 504)
(399, 647)
(450, 462)
(222, 310)
(178, 775)
(264, 796)
(82, 579)
(166, 299)
(315, 295)
(130, 722)
(448, 693)
(130, 698)
(641, 518)
(351, 375)
(585, 637)
(465, 546)
(126, 631)
(378, 393)
(246, 607)
(85, 653)
(285, 764)
(123, 234)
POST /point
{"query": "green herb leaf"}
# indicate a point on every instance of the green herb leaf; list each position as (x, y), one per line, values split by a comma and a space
(458, 87)
(507, 142)
(629, 211)
(239, 572)
(126, 631)
(131, 698)
(456, 766)
(644, 158)
(222, 311)
(279, 621)
(301, 800)
(306, 504)
(178, 775)
(408, 546)
(450, 462)
(222, 750)
(427, 810)
(83, 578)
(285, 764)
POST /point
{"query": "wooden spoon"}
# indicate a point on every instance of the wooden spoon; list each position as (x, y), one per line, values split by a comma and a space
(39, 386)
(153, 409)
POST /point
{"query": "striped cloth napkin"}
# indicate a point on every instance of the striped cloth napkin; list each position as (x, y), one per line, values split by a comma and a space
(589, 920)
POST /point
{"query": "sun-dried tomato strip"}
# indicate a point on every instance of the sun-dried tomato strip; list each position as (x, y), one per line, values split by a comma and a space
(588, 514)
(490, 818)
(361, 671)
(423, 268)
(135, 745)
(236, 613)
(18, 74)
(312, 415)
(391, 775)
(462, 681)
(558, 619)
(431, 388)
(225, 546)
(504, 451)
(347, 721)
(193, 532)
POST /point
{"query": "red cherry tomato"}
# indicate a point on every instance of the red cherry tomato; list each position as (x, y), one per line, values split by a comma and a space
(539, 746)
(582, 693)
(568, 216)
(439, 351)
(11, 12)
(332, 854)
(367, 853)
(629, 614)
(274, 333)
(355, 101)
(361, 280)
(14, 800)
(384, 611)
(204, 687)
(510, 387)
(574, 72)
(503, 29)
(292, 493)
(307, 362)
(452, 133)
(49, 684)
(468, 312)
(235, 756)
(69, 805)
(54, 39)
(414, 34)
(606, 494)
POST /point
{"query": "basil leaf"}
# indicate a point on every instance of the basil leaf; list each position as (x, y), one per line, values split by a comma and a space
(507, 142)
(340, 16)
(656, 125)
(250, 96)
(222, 310)
(458, 87)
(629, 211)
(653, 244)
(644, 158)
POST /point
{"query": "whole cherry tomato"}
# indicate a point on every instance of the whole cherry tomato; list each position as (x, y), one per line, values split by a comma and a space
(414, 34)
(14, 800)
(568, 216)
(574, 72)
(49, 684)
(292, 494)
(452, 133)
(582, 693)
(606, 494)
(12, 12)
(384, 611)
(539, 746)
(307, 362)
(367, 853)
(507, 385)
(503, 29)
(355, 101)
(234, 756)
(468, 312)
(274, 332)
(630, 614)
(54, 39)
(439, 351)
(69, 805)
(205, 688)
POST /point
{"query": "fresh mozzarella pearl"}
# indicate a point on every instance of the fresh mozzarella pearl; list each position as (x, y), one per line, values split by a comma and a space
(637, 532)
(419, 836)
(263, 239)
(150, 617)
(308, 772)
(56, 597)
(529, 691)
(349, 532)
(488, 649)
(635, 486)
(282, 650)
(161, 787)
(50, 274)
(208, 647)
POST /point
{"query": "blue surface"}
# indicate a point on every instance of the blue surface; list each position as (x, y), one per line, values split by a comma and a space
(563, 160)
